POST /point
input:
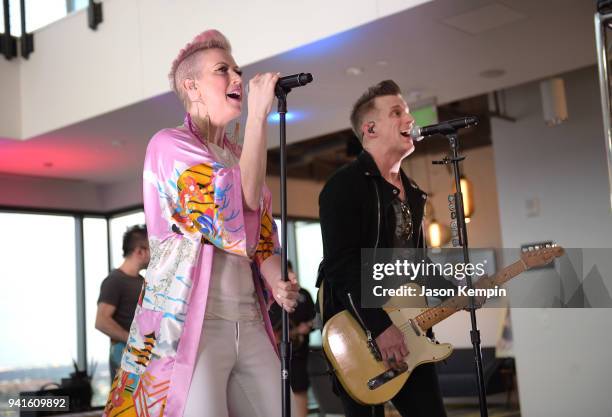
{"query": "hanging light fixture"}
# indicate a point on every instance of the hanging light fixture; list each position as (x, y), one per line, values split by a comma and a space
(437, 234)
(467, 190)
(434, 234)
(554, 101)
(468, 198)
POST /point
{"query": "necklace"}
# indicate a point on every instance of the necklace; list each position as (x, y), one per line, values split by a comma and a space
(407, 227)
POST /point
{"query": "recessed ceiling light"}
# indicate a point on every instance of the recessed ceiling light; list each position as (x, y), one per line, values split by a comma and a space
(483, 19)
(493, 73)
(382, 63)
(118, 143)
(354, 71)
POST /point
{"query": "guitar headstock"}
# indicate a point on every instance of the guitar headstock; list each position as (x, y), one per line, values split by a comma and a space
(535, 256)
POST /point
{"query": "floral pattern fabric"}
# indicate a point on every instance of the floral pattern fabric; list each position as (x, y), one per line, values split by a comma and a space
(192, 203)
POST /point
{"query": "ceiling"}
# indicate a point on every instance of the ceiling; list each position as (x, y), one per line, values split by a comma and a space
(317, 158)
(438, 49)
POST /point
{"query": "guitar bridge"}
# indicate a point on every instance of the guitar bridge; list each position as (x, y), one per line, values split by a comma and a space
(415, 327)
(386, 376)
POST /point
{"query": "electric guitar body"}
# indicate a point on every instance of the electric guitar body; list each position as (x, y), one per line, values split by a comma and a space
(356, 360)
(346, 345)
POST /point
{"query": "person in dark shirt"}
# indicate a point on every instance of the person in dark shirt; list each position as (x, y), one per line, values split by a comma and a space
(300, 327)
(371, 203)
(119, 294)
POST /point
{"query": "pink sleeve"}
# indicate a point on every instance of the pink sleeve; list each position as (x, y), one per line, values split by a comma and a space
(202, 198)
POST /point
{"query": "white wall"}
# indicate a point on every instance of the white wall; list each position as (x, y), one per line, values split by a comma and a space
(121, 195)
(58, 194)
(44, 193)
(126, 59)
(562, 354)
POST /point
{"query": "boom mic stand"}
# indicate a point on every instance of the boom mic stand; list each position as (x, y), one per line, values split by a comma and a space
(285, 345)
(457, 210)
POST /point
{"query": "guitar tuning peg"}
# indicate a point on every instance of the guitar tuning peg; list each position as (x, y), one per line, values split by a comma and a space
(453, 215)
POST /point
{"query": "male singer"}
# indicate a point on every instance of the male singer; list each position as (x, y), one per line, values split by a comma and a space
(369, 203)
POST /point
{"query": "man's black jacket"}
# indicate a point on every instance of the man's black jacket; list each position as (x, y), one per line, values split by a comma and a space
(356, 212)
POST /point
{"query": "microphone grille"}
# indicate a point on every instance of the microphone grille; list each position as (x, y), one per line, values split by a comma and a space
(415, 133)
(304, 79)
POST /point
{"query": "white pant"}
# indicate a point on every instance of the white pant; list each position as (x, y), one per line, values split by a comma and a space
(237, 372)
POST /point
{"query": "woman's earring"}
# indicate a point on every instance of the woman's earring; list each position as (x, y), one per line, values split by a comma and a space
(236, 134)
(207, 121)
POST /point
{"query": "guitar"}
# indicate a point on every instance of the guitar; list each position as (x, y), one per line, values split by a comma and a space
(364, 375)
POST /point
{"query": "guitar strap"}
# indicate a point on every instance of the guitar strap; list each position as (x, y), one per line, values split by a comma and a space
(319, 305)
(320, 300)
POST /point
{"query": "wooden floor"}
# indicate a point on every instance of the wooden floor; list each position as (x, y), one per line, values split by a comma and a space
(470, 411)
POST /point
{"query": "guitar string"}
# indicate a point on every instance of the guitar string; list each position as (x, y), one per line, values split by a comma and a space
(432, 313)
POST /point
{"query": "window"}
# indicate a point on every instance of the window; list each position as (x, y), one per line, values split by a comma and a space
(118, 226)
(305, 250)
(1, 18)
(37, 307)
(95, 239)
(38, 301)
(41, 275)
(40, 13)
(309, 248)
(74, 5)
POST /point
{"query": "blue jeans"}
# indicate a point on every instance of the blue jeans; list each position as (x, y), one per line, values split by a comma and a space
(114, 358)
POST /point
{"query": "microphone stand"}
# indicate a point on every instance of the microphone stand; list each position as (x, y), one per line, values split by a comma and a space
(451, 134)
(285, 344)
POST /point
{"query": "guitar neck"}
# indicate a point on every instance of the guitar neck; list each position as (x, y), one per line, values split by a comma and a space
(447, 308)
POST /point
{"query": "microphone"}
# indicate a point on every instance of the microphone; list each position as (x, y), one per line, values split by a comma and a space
(450, 126)
(296, 80)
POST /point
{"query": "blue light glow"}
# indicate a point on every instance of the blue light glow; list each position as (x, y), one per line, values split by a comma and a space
(289, 117)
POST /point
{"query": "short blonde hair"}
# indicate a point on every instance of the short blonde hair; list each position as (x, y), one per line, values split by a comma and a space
(186, 64)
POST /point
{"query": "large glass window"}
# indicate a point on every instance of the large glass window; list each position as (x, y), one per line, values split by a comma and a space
(118, 226)
(15, 17)
(1, 17)
(37, 302)
(74, 5)
(309, 251)
(40, 13)
(95, 239)
(305, 249)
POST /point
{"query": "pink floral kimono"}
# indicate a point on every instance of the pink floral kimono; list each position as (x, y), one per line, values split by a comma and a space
(192, 202)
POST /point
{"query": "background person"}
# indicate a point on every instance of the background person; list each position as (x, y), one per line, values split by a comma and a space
(119, 294)
(300, 327)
